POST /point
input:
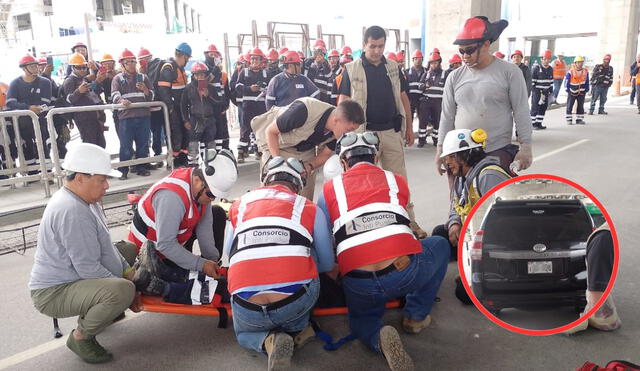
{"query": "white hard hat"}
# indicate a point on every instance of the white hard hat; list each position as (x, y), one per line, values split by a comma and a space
(89, 158)
(462, 140)
(289, 170)
(220, 171)
(332, 168)
(355, 144)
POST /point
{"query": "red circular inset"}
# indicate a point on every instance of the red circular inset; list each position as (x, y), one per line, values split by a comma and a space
(570, 325)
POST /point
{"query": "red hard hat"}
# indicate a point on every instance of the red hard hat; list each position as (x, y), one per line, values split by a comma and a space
(547, 54)
(400, 56)
(27, 60)
(498, 54)
(392, 56)
(435, 57)
(319, 44)
(479, 29)
(283, 51)
(334, 53)
(272, 54)
(241, 58)
(435, 50)
(517, 52)
(73, 48)
(300, 54)
(346, 59)
(199, 67)
(126, 54)
(455, 59)
(144, 53)
(256, 52)
(212, 48)
(292, 57)
(417, 54)
(346, 50)
(247, 57)
(42, 60)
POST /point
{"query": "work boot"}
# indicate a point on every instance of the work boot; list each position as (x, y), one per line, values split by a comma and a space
(422, 142)
(602, 112)
(580, 122)
(143, 172)
(393, 350)
(279, 348)
(434, 138)
(89, 350)
(242, 154)
(304, 336)
(124, 172)
(419, 232)
(133, 169)
(415, 327)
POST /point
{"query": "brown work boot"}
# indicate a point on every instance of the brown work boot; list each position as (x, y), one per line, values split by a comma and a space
(304, 336)
(279, 348)
(415, 327)
(393, 350)
(419, 232)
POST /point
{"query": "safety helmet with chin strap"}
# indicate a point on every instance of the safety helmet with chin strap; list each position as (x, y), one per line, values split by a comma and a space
(289, 170)
(479, 29)
(220, 171)
(463, 140)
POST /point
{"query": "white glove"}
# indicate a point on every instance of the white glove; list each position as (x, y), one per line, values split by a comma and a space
(524, 157)
(542, 99)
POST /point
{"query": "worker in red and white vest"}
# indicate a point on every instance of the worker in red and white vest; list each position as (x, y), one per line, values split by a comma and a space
(378, 255)
(277, 244)
(173, 212)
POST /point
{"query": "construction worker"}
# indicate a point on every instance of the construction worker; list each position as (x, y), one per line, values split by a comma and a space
(502, 101)
(220, 80)
(577, 87)
(454, 62)
(432, 86)
(81, 48)
(307, 129)
(559, 71)
(80, 92)
(77, 271)
(414, 76)
(335, 87)
(60, 122)
(378, 255)
(273, 271)
(171, 84)
(376, 84)
(289, 85)
(273, 61)
(474, 174)
(252, 84)
(319, 71)
(157, 115)
(542, 85)
(128, 87)
(516, 58)
(601, 80)
(333, 57)
(172, 214)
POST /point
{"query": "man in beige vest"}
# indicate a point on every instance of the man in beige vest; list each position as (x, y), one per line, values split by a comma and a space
(375, 83)
(306, 129)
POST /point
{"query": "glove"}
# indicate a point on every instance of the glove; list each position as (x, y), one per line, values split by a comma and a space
(524, 157)
(542, 100)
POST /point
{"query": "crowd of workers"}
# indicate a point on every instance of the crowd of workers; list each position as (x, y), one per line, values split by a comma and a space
(353, 116)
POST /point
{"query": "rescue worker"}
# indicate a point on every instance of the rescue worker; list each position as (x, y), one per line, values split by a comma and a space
(273, 271)
(516, 58)
(128, 87)
(289, 85)
(30, 92)
(559, 71)
(77, 271)
(577, 87)
(414, 76)
(454, 63)
(220, 80)
(157, 115)
(306, 129)
(252, 85)
(542, 85)
(474, 174)
(319, 71)
(172, 214)
(80, 92)
(378, 255)
(432, 85)
(376, 84)
(171, 84)
(601, 80)
(60, 122)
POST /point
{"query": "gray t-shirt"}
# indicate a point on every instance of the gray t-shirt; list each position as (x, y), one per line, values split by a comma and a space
(73, 244)
(491, 98)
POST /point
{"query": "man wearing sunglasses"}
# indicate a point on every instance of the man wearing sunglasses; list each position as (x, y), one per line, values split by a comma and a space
(487, 93)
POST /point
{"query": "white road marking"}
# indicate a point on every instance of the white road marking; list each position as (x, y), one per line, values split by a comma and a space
(47, 347)
(556, 151)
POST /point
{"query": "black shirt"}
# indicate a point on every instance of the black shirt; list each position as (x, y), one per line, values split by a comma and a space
(295, 116)
(381, 105)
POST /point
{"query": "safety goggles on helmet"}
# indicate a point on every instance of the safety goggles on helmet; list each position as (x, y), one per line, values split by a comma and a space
(291, 170)
(354, 144)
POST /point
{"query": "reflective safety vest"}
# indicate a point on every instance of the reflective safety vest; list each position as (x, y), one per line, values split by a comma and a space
(414, 75)
(578, 82)
(436, 82)
(143, 226)
(464, 202)
(559, 69)
(272, 238)
(367, 207)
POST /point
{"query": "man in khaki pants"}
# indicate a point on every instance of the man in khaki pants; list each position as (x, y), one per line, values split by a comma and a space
(306, 129)
(77, 270)
(376, 83)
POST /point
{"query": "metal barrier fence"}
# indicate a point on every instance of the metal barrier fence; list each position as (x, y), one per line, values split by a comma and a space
(12, 170)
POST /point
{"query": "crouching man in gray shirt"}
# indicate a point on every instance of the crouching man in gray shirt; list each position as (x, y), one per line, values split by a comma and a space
(77, 270)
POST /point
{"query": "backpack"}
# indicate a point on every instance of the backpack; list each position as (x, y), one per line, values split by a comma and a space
(611, 366)
(154, 67)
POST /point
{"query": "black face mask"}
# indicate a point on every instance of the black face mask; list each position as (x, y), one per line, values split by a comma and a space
(209, 61)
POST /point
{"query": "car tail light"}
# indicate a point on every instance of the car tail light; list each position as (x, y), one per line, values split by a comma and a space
(476, 246)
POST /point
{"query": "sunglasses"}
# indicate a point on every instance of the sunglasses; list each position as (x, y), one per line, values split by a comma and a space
(470, 50)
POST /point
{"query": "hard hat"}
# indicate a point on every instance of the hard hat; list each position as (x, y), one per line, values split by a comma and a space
(462, 140)
(547, 54)
(498, 54)
(391, 56)
(42, 60)
(455, 59)
(332, 168)
(212, 49)
(247, 57)
(89, 158)
(346, 58)
(400, 57)
(184, 48)
(240, 59)
(199, 67)
(126, 54)
(107, 57)
(346, 50)
(333, 53)
(356, 144)
(417, 54)
(435, 50)
(301, 54)
(220, 171)
(434, 57)
(319, 44)
(517, 52)
(579, 59)
(292, 57)
(27, 60)
(256, 52)
(282, 51)
(479, 29)
(77, 59)
(144, 53)
(607, 56)
(272, 54)
(78, 44)
(289, 170)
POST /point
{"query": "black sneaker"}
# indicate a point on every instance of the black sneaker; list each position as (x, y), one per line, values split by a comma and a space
(603, 112)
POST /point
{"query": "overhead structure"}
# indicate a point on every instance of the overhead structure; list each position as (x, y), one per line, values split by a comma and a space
(279, 39)
(331, 39)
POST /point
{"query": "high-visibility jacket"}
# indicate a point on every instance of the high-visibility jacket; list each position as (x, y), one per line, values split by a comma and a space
(272, 238)
(434, 83)
(577, 81)
(559, 69)
(414, 75)
(143, 225)
(367, 208)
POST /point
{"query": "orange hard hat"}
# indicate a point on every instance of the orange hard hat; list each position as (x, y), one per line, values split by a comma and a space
(107, 57)
(77, 59)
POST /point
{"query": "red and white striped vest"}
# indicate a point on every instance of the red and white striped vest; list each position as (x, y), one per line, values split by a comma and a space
(367, 207)
(272, 238)
(143, 225)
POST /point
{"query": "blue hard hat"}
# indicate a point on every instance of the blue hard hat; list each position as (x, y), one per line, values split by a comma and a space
(184, 48)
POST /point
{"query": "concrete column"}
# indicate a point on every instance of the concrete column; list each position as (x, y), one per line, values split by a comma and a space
(618, 36)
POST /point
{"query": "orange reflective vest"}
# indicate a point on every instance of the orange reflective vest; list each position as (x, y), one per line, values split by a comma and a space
(578, 81)
(559, 69)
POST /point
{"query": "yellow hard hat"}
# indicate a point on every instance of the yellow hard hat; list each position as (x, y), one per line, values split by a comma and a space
(107, 57)
(77, 60)
(579, 59)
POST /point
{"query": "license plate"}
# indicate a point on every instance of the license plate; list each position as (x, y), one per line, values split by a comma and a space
(539, 267)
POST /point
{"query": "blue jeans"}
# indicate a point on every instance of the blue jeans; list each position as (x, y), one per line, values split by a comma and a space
(134, 129)
(419, 281)
(557, 84)
(599, 92)
(252, 327)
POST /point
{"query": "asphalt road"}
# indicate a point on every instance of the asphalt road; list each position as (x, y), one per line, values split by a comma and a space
(605, 161)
